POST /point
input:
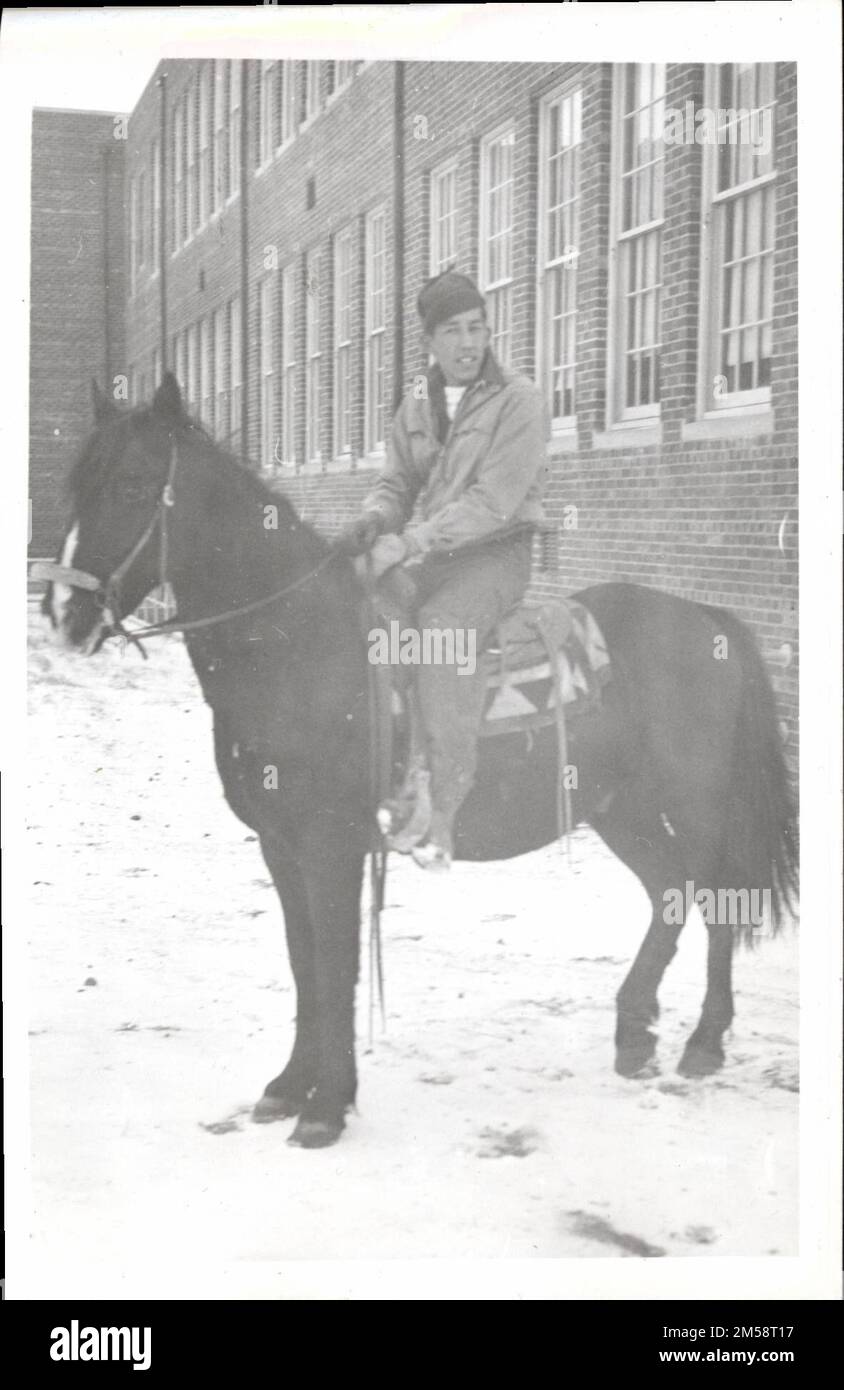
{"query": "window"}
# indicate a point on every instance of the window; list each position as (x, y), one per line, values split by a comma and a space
(636, 248)
(559, 235)
(234, 127)
(312, 90)
(496, 239)
(235, 403)
(376, 308)
(143, 224)
(179, 362)
(313, 359)
(738, 240)
(443, 224)
(178, 176)
(192, 166)
(266, 340)
(155, 215)
(340, 75)
(288, 365)
(221, 400)
(206, 374)
(265, 112)
(221, 146)
(191, 372)
(206, 180)
(156, 368)
(343, 343)
(133, 235)
(286, 102)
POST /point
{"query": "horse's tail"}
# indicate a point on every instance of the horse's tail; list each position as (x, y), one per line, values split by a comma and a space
(762, 831)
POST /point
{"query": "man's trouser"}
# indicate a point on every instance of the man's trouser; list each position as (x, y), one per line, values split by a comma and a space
(471, 588)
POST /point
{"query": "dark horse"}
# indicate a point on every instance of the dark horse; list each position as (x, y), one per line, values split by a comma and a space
(680, 769)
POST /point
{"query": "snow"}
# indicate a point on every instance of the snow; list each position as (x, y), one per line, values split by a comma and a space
(490, 1121)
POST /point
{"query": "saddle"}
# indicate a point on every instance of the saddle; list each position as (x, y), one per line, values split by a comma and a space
(545, 664)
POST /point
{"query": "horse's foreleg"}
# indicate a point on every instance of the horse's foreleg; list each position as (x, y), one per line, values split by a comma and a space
(642, 842)
(287, 1093)
(332, 875)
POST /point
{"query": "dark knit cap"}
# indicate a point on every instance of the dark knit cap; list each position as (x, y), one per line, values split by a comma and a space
(447, 294)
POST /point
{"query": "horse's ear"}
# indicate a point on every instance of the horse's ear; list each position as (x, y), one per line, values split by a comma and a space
(167, 401)
(103, 406)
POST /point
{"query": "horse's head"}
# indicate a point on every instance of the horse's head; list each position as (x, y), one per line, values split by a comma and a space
(116, 488)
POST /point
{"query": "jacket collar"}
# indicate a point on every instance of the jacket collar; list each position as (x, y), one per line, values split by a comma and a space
(491, 374)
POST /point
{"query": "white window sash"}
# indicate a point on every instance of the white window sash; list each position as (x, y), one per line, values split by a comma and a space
(713, 399)
(622, 244)
(568, 100)
(441, 177)
(343, 330)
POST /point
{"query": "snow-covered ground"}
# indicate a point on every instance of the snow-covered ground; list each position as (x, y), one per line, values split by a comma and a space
(490, 1120)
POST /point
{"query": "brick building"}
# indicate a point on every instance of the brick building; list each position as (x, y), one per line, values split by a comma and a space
(77, 301)
(281, 217)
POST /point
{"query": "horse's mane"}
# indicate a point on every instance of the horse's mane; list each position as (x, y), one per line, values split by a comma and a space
(97, 455)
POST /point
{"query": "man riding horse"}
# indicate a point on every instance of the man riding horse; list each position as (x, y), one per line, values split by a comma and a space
(467, 452)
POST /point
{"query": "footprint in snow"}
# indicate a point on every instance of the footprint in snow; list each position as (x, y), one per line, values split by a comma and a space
(508, 1143)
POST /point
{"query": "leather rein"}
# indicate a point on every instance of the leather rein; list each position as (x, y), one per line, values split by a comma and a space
(107, 593)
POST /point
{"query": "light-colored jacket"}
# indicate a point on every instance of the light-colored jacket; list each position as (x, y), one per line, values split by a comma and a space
(487, 476)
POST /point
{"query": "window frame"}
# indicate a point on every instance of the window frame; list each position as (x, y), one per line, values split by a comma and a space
(155, 208)
(288, 339)
(267, 304)
(438, 171)
(313, 77)
(343, 347)
(314, 456)
(233, 128)
(205, 146)
(619, 415)
(220, 135)
(561, 425)
(374, 445)
(714, 201)
(221, 373)
(487, 286)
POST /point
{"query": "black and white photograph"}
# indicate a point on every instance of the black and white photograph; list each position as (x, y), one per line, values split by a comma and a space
(423, 825)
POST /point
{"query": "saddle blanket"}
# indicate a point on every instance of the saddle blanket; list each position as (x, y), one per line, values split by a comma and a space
(522, 683)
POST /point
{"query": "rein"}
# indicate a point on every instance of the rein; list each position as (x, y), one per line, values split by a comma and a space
(108, 593)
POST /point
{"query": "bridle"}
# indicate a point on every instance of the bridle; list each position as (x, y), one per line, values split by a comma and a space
(107, 592)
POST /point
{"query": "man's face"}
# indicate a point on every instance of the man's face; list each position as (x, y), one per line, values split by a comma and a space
(459, 344)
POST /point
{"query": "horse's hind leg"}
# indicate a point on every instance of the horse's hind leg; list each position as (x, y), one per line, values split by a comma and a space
(704, 1051)
(633, 830)
(287, 1093)
(705, 855)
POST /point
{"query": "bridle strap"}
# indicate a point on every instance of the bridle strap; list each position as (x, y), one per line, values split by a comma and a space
(109, 591)
(191, 624)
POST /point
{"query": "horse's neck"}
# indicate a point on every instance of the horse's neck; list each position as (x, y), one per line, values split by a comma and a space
(233, 546)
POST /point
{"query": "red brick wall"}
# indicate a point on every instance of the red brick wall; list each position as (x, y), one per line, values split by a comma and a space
(77, 295)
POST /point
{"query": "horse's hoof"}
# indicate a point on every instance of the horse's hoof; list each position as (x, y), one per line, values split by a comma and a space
(315, 1134)
(635, 1064)
(271, 1108)
(700, 1061)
